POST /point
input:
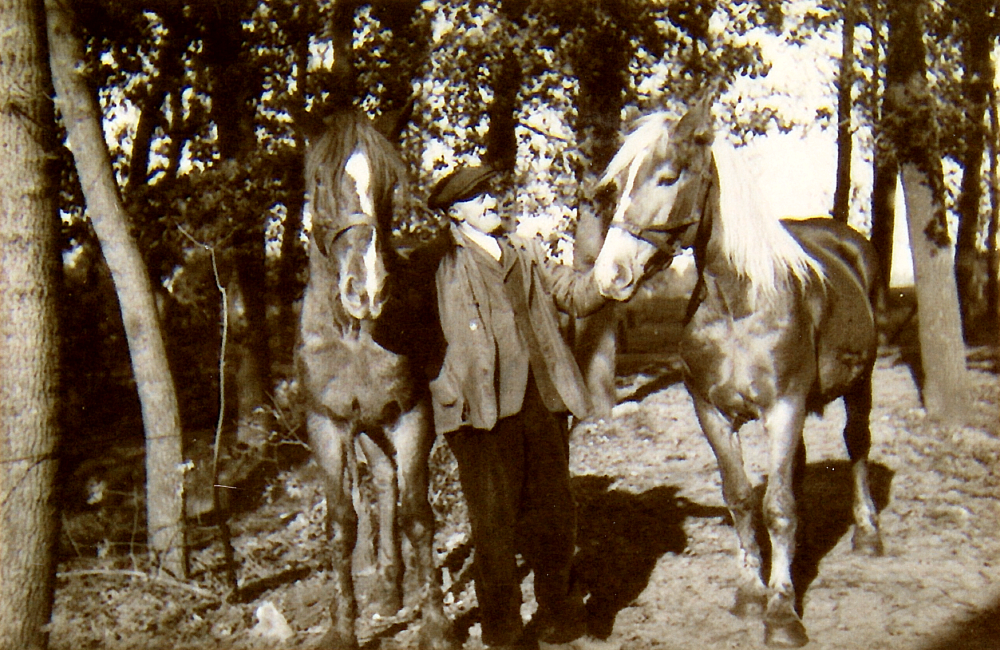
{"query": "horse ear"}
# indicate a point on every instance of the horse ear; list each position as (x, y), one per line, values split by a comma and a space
(309, 124)
(391, 123)
(704, 134)
(704, 129)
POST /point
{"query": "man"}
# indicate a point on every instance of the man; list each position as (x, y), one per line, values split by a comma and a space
(501, 399)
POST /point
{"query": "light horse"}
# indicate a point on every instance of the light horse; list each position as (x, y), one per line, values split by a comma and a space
(780, 324)
(359, 394)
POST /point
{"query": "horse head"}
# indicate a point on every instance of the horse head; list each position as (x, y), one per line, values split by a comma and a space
(663, 176)
(351, 174)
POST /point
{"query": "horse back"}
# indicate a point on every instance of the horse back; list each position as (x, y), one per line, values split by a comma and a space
(842, 306)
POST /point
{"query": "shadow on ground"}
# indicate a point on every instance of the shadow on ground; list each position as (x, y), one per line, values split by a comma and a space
(620, 536)
(825, 514)
(980, 632)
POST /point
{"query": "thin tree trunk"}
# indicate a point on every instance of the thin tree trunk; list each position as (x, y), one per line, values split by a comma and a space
(884, 219)
(501, 140)
(29, 343)
(157, 395)
(168, 69)
(992, 250)
(842, 194)
(886, 174)
(970, 265)
(601, 65)
(292, 260)
(913, 131)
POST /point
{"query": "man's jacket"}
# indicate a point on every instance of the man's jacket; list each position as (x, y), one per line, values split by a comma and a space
(470, 389)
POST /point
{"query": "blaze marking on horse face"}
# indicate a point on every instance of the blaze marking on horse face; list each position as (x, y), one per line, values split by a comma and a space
(626, 200)
(371, 269)
(358, 169)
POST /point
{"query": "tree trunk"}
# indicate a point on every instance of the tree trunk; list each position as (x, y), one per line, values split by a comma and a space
(248, 358)
(842, 194)
(29, 344)
(160, 414)
(992, 250)
(970, 264)
(601, 65)
(501, 140)
(886, 175)
(293, 258)
(909, 117)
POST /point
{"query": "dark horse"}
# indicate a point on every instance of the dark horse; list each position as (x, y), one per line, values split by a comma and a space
(780, 324)
(360, 394)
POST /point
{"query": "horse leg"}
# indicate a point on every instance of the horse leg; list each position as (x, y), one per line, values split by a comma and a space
(751, 593)
(413, 438)
(333, 447)
(783, 422)
(857, 435)
(387, 591)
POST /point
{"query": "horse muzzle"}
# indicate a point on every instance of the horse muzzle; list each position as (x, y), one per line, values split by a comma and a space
(362, 298)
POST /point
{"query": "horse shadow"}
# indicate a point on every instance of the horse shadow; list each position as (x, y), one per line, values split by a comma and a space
(825, 515)
(620, 537)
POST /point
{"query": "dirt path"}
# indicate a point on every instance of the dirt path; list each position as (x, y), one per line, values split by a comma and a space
(656, 548)
(940, 521)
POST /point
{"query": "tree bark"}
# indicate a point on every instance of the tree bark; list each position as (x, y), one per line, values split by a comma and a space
(886, 174)
(992, 250)
(157, 395)
(29, 345)
(169, 68)
(909, 114)
(970, 264)
(601, 66)
(842, 193)
(501, 140)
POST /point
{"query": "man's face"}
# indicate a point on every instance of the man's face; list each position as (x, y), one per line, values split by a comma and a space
(480, 213)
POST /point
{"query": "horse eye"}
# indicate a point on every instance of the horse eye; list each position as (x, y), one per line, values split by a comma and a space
(667, 179)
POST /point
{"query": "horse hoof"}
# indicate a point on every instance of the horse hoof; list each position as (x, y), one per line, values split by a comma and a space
(867, 542)
(788, 633)
(750, 601)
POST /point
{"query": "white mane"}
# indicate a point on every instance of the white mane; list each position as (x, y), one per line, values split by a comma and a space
(753, 239)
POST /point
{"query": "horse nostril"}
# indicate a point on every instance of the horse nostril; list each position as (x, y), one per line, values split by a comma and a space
(376, 301)
(622, 277)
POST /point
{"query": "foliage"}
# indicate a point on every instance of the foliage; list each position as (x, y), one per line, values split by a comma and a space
(180, 82)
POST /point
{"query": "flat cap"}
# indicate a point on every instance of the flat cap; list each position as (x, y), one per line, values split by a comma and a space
(461, 185)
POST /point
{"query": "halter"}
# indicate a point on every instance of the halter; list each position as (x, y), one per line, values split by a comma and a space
(666, 239)
(663, 238)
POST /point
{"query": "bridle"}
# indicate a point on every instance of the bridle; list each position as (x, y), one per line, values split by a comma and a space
(354, 220)
(667, 240)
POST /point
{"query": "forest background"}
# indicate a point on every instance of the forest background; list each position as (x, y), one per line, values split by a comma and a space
(198, 100)
(204, 107)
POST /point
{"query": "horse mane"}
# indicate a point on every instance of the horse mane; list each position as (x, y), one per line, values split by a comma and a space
(326, 159)
(753, 239)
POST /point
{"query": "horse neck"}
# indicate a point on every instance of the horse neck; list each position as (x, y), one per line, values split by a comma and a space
(718, 279)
